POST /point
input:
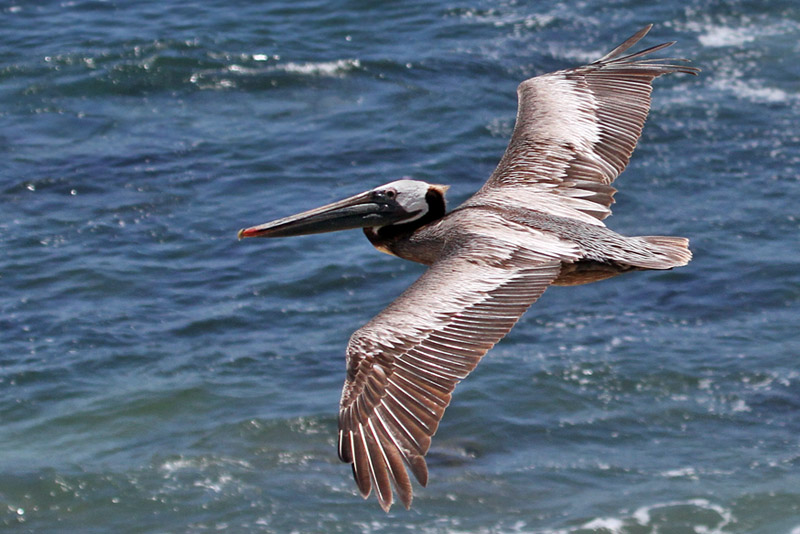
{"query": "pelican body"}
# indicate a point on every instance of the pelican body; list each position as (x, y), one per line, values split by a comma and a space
(536, 222)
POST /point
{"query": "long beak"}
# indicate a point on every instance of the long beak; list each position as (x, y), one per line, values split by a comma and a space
(357, 211)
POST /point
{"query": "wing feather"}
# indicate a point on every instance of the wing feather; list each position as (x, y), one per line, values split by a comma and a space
(404, 364)
(575, 132)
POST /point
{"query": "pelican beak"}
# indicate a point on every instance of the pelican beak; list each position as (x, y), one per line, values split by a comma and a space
(359, 211)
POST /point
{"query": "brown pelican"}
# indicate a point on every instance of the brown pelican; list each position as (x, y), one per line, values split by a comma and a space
(537, 221)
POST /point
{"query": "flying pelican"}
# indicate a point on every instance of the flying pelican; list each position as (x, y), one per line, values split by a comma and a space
(536, 222)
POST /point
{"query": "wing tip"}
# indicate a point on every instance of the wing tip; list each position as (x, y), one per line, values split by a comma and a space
(629, 42)
(663, 64)
(364, 489)
(381, 469)
(386, 503)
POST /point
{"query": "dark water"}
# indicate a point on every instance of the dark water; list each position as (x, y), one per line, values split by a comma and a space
(157, 376)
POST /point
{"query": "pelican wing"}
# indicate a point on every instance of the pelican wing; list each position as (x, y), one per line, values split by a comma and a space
(575, 132)
(403, 365)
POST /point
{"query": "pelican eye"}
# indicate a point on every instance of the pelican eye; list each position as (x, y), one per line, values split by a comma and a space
(385, 194)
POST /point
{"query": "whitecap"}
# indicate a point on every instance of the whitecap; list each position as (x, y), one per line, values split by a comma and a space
(650, 517)
(199, 464)
(643, 515)
(610, 524)
(681, 472)
(730, 73)
(171, 466)
(324, 68)
(740, 406)
(753, 90)
(716, 36)
(216, 485)
(226, 78)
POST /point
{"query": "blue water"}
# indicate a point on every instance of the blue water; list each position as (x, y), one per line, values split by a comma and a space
(157, 376)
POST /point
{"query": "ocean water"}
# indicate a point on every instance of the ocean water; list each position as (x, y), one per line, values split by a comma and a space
(157, 376)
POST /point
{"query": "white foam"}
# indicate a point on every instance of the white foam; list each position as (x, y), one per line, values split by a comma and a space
(732, 79)
(325, 68)
(730, 74)
(625, 522)
(643, 514)
(214, 485)
(752, 90)
(682, 472)
(716, 36)
(740, 406)
(172, 466)
(199, 464)
(612, 524)
(220, 79)
(501, 17)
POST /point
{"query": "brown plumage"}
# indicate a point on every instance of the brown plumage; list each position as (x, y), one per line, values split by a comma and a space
(537, 221)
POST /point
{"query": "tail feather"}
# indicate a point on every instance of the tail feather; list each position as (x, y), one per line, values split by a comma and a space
(664, 252)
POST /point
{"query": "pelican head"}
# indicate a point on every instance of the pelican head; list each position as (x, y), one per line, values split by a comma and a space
(396, 203)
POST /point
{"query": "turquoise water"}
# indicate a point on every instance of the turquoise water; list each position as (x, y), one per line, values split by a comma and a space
(157, 376)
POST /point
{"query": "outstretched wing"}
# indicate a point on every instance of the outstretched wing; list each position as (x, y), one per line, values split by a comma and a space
(403, 365)
(575, 132)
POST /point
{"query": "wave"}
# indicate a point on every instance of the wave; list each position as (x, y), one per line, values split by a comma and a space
(690, 515)
(232, 75)
(739, 70)
(163, 66)
(714, 31)
(716, 36)
(754, 90)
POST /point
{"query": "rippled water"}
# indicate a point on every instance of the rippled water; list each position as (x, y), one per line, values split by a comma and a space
(158, 376)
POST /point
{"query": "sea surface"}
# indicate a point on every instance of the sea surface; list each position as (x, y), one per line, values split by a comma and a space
(159, 376)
